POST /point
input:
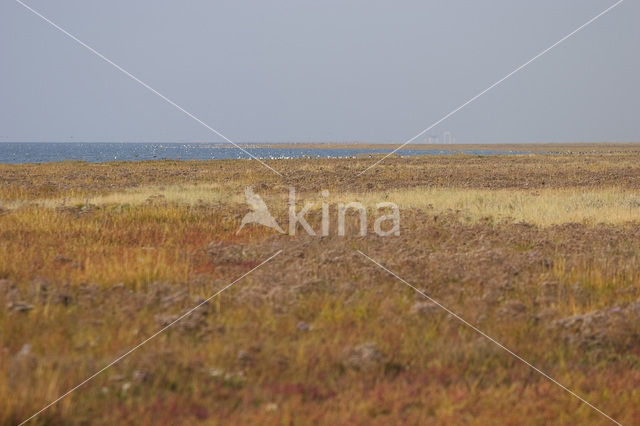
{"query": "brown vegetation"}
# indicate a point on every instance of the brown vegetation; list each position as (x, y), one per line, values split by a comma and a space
(94, 258)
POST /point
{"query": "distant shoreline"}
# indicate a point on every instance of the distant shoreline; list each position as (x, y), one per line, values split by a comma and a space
(531, 147)
(546, 147)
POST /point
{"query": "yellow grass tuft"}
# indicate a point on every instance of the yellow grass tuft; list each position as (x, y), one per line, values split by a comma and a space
(543, 207)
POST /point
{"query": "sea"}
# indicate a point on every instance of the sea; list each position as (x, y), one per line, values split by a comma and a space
(45, 152)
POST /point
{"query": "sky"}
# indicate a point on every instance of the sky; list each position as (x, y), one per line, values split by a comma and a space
(320, 71)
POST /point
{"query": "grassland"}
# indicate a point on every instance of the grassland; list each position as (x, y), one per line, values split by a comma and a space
(542, 252)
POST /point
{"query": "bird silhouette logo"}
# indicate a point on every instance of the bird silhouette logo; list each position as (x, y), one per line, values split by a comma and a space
(260, 213)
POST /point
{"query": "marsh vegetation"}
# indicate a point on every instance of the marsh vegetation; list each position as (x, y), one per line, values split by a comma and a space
(542, 252)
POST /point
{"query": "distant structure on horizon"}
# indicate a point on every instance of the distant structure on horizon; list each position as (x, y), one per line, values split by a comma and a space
(447, 139)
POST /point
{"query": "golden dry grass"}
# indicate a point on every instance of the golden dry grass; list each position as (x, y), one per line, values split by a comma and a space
(544, 207)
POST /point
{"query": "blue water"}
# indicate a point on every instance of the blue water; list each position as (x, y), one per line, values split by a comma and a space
(15, 153)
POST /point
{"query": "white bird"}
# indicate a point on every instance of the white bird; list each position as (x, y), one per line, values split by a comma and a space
(260, 213)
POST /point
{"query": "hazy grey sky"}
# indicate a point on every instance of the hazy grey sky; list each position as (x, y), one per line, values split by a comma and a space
(354, 70)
